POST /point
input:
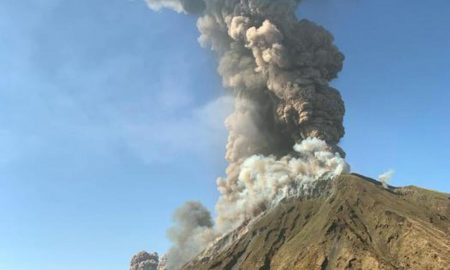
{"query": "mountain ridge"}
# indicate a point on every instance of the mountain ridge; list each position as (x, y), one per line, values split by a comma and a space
(354, 223)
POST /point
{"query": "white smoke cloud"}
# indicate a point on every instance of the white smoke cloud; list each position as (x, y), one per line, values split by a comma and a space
(263, 181)
(385, 177)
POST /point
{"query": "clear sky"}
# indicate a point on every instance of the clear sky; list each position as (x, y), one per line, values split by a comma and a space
(111, 117)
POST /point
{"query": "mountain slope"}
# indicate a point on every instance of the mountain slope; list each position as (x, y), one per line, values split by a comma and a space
(357, 224)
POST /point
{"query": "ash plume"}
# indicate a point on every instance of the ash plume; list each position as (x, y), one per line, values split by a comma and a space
(287, 121)
(192, 231)
(264, 181)
(144, 261)
(385, 177)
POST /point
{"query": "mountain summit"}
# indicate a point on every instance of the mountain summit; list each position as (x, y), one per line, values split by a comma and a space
(356, 224)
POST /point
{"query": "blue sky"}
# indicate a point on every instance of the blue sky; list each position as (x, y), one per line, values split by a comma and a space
(99, 144)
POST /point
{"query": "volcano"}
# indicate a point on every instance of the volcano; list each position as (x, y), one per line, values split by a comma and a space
(353, 222)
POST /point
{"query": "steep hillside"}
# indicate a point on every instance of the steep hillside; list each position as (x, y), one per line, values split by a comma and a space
(358, 224)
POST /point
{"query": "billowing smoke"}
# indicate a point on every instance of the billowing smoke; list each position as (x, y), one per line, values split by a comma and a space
(385, 177)
(144, 261)
(264, 181)
(287, 122)
(192, 231)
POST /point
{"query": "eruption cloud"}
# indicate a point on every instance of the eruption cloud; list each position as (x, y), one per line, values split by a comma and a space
(287, 120)
(192, 231)
(385, 177)
(264, 181)
(145, 261)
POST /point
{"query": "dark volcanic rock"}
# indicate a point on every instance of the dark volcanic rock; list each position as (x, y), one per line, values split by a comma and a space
(359, 225)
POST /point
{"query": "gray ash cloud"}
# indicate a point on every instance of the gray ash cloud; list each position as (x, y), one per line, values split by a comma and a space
(287, 118)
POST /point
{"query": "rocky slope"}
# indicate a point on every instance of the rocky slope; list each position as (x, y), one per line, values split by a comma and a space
(358, 224)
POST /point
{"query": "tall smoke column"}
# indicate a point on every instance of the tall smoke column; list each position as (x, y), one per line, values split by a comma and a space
(278, 69)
